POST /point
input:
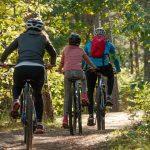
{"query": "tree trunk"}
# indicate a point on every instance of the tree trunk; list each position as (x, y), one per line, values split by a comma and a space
(146, 64)
(136, 53)
(48, 106)
(131, 56)
(115, 96)
(146, 47)
(115, 93)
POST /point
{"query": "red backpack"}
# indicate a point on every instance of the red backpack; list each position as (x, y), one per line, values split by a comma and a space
(98, 46)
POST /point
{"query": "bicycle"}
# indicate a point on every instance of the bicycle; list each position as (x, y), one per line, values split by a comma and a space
(100, 100)
(74, 109)
(27, 112)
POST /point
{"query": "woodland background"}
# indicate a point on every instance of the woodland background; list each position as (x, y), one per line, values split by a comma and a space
(126, 23)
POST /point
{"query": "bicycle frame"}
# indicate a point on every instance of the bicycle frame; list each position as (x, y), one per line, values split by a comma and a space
(101, 85)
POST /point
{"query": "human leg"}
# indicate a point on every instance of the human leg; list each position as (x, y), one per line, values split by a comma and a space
(108, 72)
(18, 79)
(37, 80)
(91, 82)
(67, 88)
(84, 96)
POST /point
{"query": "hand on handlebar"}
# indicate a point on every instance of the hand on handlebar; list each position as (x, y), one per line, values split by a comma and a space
(49, 66)
(116, 71)
(4, 65)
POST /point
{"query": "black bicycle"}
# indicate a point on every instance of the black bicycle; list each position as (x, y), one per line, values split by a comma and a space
(27, 112)
(100, 100)
(75, 119)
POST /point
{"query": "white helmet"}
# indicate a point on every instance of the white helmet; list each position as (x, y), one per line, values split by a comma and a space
(99, 31)
(34, 23)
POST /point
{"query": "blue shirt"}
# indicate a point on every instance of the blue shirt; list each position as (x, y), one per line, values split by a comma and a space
(109, 49)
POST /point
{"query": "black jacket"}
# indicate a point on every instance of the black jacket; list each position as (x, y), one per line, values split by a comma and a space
(31, 47)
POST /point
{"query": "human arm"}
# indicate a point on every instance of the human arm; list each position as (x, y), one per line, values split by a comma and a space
(52, 52)
(13, 46)
(114, 58)
(86, 50)
(87, 60)
(61, 65)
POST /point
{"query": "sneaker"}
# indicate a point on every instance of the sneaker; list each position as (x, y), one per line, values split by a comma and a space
(84, 99)
(91, 121)
(109, 101)
(39, 128)
(65, 122)
(14, 109)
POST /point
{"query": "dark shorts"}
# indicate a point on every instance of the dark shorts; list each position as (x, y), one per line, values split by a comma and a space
(107, 70)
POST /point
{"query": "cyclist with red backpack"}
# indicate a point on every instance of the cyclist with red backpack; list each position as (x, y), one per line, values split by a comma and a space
(99, 50)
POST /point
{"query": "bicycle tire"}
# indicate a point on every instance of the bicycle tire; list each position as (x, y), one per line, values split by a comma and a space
(74, 106)
(79, 109)
(70, 114)
(103, 110)
(100, 113)
(29, 122)
(98, 110)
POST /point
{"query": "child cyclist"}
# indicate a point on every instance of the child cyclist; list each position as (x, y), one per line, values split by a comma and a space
(71, 63)
(31, 47)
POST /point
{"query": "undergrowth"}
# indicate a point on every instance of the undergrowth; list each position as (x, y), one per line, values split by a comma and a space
(136, 137)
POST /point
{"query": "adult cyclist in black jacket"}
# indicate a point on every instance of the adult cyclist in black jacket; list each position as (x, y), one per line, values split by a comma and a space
(31, 46)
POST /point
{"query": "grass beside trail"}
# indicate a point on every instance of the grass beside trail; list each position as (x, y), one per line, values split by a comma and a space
(136, 137)
(8, 124)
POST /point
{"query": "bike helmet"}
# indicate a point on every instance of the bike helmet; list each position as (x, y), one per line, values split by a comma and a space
(100, 31)
(34, 23)
(74, 39)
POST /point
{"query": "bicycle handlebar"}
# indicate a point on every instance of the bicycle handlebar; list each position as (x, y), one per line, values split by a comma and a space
(97, 70)
(13, 65)
(8, 65)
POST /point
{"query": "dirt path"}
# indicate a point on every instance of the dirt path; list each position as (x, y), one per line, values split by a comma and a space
(59, 139)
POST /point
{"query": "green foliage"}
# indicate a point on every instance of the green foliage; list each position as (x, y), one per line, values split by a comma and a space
(61, 17)
(56, 82)
(134, 95)
(134, 138)
(5, 91)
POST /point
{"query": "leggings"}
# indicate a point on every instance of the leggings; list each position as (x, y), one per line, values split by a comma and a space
(36, 75)
(67, 85)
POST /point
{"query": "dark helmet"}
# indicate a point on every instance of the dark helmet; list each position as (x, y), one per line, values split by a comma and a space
(34, 23)
(99, 31)
(74, 39)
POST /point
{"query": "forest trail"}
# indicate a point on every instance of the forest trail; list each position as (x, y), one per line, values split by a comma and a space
(59, 138)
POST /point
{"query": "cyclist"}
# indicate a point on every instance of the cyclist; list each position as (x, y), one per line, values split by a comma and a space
(31, 47)
(71, 63)
(106, 69)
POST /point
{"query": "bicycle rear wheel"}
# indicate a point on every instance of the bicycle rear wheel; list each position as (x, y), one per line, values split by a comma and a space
(103, 109)
(72, 112)
(29, 122)
(79, 111)
(100, 112)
